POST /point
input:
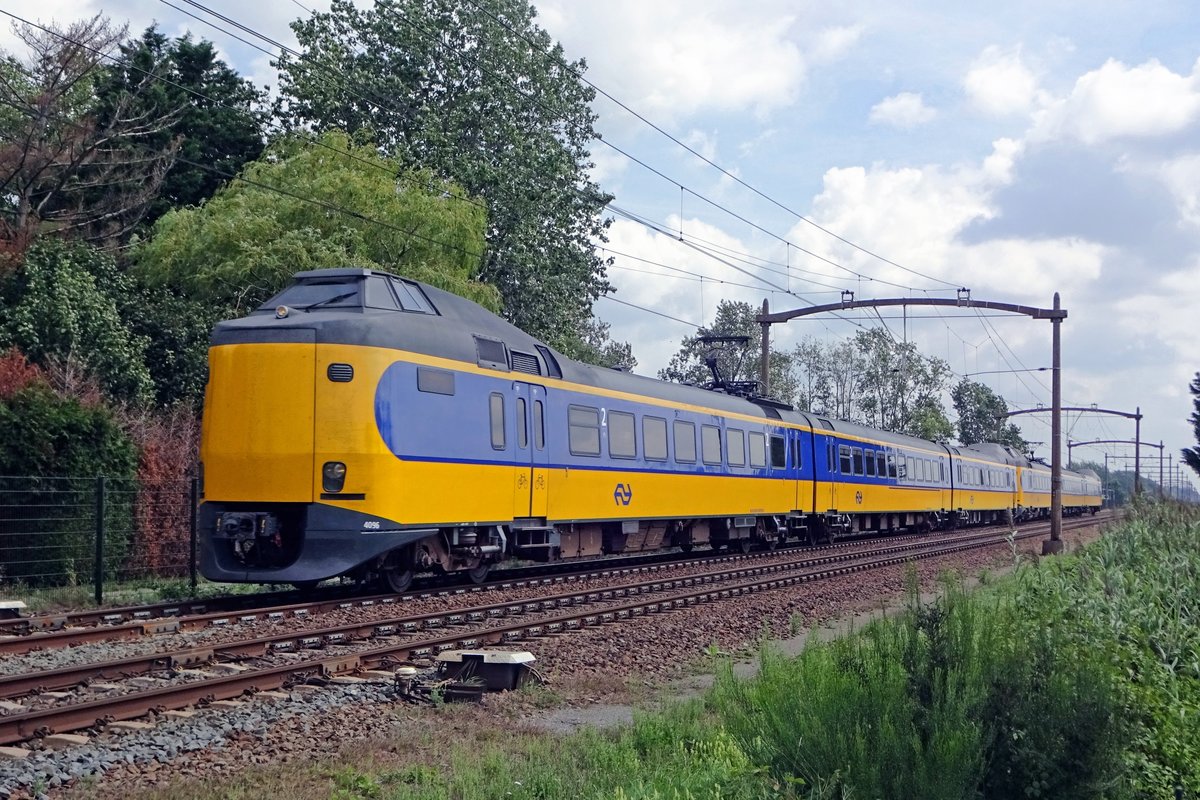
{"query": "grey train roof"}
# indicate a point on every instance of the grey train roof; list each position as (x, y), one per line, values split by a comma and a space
(429, 334)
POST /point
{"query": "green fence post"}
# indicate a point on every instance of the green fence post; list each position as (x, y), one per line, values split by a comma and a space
(195, 498)
(98, 569)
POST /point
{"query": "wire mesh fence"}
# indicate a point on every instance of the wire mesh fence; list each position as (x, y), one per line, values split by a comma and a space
(70, 540)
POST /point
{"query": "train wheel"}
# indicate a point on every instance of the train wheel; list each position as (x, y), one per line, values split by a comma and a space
(396, 574)
(396, 579)
(743, 545)
(479, 574)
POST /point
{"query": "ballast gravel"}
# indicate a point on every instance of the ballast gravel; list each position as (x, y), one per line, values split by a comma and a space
(148, 750)
(584, 668)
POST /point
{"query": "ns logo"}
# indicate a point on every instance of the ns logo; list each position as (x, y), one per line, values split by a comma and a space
(623, 494)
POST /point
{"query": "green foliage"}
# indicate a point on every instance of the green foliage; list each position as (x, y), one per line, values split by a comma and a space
(596, 347)
(735, 361)
(42, 433)
(176, 330)
(981, 414)
(444, 86)
(1191, 455)
(245, 243)
(63, 305)
(217, 116)
(947, 700)
(1138, 592)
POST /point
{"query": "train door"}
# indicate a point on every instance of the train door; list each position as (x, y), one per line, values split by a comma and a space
(826, 495)
(531, 477)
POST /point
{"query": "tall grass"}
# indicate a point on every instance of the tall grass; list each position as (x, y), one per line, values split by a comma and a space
(945, 701)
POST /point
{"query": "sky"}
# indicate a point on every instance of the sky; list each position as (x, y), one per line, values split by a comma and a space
(893, 149)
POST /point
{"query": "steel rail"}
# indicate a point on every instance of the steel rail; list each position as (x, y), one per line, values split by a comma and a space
(17, 685)
(19, 727)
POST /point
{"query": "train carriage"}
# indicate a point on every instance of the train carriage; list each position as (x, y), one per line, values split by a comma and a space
(360, 424)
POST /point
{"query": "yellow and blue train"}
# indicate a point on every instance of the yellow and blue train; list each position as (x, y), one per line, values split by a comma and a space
(363, 424)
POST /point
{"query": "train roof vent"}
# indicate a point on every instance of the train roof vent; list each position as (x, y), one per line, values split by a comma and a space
(340, 373)
(526, 362)
(492, 353)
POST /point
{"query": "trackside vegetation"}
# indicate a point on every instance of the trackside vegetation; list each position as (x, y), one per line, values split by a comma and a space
(1074, 677)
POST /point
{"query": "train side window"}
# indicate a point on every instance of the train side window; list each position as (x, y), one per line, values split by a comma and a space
(758, 449)
(891, 465)
(830, 457)
(539, 426)
(710, 444)
(911, 473)
(685, 441)
(927, 467)
(522, 429)
(881, 464)
(779, 452)
(941, 471)
(735, 444)
(870, 464)
(845, 461)
(797, 458)
(435, 381)
(858, 460)
(583, 423)
(654, 438)
(621, 439)
(496, 407)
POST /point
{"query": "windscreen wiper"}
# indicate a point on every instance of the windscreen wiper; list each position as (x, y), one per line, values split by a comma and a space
(328, 300)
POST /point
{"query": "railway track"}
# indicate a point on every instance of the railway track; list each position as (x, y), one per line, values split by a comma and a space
(175, 680)
(42, 632)
(70, 628)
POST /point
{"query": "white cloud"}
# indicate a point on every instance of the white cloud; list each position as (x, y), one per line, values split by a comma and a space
(918, 216)
(999, 83)
(672, 59)
(831, 44)
(904, 110)
(1118, 102)
(702, 142)
(1182, 177)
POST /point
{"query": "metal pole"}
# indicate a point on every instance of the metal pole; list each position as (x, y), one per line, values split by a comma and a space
(1106, 476)
(1162, 492)
(1137, 451)
(765, 356)
(194, 497)
(1055, 544)
(98, 567)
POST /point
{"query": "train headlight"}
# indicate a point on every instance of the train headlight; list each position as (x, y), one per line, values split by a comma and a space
(333, 476)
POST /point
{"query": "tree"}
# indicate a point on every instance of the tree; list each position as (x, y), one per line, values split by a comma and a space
(479, 94)
(735, 361)
(66, 164)
(1191, 455)
(218, 115)
(901, 389)
(810, 365)
(981, 416)
(598, 348)
(302, 207)
(63, 307)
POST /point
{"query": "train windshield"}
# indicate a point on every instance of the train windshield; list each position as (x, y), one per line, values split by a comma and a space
(317, 295)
